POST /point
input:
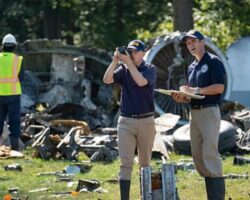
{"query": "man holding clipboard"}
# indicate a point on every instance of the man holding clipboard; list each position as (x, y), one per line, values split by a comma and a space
(205, 77)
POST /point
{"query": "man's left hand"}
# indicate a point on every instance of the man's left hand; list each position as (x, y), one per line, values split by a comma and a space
(190, 90)
(125, 58)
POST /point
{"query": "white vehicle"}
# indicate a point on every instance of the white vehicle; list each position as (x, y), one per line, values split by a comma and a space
(239, 61)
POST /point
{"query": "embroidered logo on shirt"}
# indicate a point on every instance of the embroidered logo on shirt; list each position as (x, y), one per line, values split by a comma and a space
(204, 68)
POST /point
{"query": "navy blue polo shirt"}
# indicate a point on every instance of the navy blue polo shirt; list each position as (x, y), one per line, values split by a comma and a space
(135, 99)
(208, 71)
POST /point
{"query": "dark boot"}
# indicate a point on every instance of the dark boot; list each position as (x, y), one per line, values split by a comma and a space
(124, 189)
(215, 187)
(14, 143)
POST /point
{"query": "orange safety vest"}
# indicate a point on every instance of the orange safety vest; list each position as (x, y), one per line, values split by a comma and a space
(10, 65)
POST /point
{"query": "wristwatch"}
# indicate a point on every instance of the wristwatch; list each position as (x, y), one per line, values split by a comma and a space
(197, 90)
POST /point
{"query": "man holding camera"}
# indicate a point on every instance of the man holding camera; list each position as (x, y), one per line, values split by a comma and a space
(136, 128)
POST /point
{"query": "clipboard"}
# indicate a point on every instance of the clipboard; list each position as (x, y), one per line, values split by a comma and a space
(169, 92)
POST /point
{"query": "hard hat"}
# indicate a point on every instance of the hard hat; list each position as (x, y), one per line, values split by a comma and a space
(9, 39)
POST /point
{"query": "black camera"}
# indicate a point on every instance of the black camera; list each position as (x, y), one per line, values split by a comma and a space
(123, 50)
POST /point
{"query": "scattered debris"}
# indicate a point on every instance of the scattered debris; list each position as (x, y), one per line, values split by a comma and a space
(39, 190)
(4, 151)
(57, 173)
(113, 181)
(227, 138)
(237, 176)
(9, 197)
(13, 190)
(238, 160)
(185, 166)
(163, 142)
(13, 167)
(65, 179)
(243, 141)
(87, 185)
(166, 122)
(242, 118)
(72, 170)
(84, 167)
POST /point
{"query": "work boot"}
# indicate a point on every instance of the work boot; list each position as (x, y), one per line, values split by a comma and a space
(124, 189)
(14, 143)
(215, 187)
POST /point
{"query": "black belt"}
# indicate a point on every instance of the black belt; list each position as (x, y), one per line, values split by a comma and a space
(196, 107)
(140, 116)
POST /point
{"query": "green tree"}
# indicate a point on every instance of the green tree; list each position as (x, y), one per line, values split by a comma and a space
(110, 23)
(30, 19)
(224, 21)
(100, 23)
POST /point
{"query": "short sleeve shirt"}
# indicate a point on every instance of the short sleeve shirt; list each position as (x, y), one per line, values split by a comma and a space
(208, 71)
(135, 99)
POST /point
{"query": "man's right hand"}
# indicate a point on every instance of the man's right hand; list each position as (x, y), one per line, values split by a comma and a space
(125, 58)
(108, 76)
(116, 56)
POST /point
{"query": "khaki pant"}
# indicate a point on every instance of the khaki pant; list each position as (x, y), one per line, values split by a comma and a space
(134, 133)
(205, 127)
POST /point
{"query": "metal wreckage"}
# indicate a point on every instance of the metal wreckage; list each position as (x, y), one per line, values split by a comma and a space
(66, 109)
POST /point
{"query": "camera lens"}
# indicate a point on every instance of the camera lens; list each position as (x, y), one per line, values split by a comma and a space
(122, 50)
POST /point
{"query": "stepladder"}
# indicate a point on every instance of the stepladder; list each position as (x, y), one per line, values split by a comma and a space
(158, 185)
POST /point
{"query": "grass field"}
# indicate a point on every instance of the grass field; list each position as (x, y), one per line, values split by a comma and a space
(190, 185)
